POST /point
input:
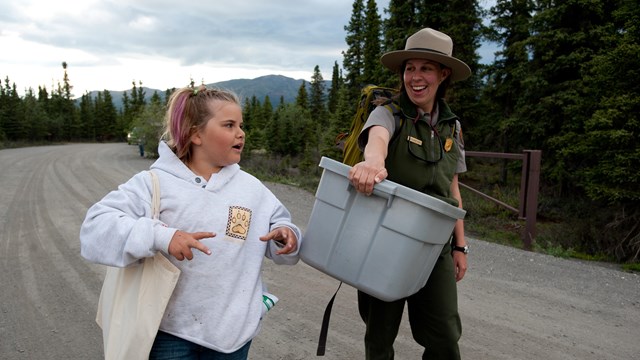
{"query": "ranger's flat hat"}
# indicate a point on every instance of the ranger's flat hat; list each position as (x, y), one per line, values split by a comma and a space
(428, 44)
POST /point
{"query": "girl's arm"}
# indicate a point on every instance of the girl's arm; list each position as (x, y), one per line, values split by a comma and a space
(118, 230)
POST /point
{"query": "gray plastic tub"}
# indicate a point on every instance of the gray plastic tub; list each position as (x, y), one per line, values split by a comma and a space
(385, 244)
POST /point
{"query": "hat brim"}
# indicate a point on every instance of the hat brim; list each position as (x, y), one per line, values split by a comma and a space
(393, 60)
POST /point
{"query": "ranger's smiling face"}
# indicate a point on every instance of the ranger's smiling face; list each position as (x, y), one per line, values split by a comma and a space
(421, 80)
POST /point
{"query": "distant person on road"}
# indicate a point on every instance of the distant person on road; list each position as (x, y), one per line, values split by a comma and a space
(208, 204)
(141, 145)
(427, 155)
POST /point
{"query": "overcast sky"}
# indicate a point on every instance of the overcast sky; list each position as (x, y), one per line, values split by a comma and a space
(107, 44)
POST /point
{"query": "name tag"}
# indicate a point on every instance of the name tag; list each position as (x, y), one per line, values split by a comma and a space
(414, 140)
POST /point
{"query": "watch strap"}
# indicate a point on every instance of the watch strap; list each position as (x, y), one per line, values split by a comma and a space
(462, 249)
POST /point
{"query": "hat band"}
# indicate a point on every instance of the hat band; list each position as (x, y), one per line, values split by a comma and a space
(426, 49)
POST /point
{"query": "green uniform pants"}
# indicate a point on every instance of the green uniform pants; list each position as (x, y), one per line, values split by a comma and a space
(433, 316)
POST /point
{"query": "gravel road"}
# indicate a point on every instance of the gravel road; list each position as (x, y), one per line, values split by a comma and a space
(514, 304)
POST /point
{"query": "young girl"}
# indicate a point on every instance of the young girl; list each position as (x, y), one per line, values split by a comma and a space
(222, 220)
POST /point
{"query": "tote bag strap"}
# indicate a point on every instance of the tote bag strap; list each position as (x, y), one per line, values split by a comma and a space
(133, 300)
(155, 196)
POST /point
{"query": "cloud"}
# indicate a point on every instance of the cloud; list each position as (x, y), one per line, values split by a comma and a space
(108, 41)
(273, 33)
(164, 44)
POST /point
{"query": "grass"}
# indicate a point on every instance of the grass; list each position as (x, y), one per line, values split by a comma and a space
(281, 169)
(631, 267)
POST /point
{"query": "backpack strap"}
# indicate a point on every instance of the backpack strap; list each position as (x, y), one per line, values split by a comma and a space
(398, 116)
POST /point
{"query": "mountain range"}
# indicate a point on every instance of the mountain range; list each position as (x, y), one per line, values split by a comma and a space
(275, 86)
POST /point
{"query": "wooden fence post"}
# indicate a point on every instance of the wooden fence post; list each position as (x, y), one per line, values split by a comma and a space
(532, 168)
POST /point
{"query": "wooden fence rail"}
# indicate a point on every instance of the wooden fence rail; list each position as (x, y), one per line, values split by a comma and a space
(529, 187)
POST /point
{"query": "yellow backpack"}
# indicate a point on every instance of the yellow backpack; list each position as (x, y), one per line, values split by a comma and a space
(371, 96)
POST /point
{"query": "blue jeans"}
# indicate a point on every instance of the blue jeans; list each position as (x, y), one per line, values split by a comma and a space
(169, 347)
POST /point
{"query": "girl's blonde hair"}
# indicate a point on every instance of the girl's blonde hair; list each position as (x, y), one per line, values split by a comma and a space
(187, 112)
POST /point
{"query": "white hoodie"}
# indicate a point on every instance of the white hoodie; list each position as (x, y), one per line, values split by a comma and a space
(217, 302)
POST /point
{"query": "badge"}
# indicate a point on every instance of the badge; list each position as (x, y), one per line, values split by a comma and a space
(448, 144)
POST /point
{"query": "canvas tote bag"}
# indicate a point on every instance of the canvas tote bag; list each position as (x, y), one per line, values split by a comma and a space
(133, 300)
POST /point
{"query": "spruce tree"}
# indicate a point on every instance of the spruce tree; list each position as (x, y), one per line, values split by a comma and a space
(317, 103)
(4, 117)
(353, 57)
(287, 130)
(14, 121)
(372, 68)
(510, 24)
(254, 115)
(336, 83)
(565, 36)
(273, 131)
(267, 113)
(35, 117)
(609, 146)
(261, 123)
(110, 115)
(45, 104)
(247, 114)
(596, 143)
(133, 105)
(397, 27)
(340, 125)
(319, 118)
(102, 129)
(249, 111)
(302, 100)
(67, 110)
(401, 22)
(86, 113)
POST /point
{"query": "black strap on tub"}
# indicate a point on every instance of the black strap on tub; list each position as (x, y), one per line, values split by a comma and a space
(322, 342)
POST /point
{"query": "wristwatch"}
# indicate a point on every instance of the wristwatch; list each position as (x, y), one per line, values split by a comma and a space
(462, 249)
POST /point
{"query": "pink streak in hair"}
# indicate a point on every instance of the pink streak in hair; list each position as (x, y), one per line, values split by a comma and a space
(177, 117)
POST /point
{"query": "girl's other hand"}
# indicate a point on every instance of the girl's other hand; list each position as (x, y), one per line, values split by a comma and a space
(285, 238)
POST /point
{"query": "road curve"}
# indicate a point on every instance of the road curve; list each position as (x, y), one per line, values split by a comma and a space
(514, 304)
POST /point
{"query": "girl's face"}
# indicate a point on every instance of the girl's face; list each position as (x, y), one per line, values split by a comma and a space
(421, 80)
(220, 142)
